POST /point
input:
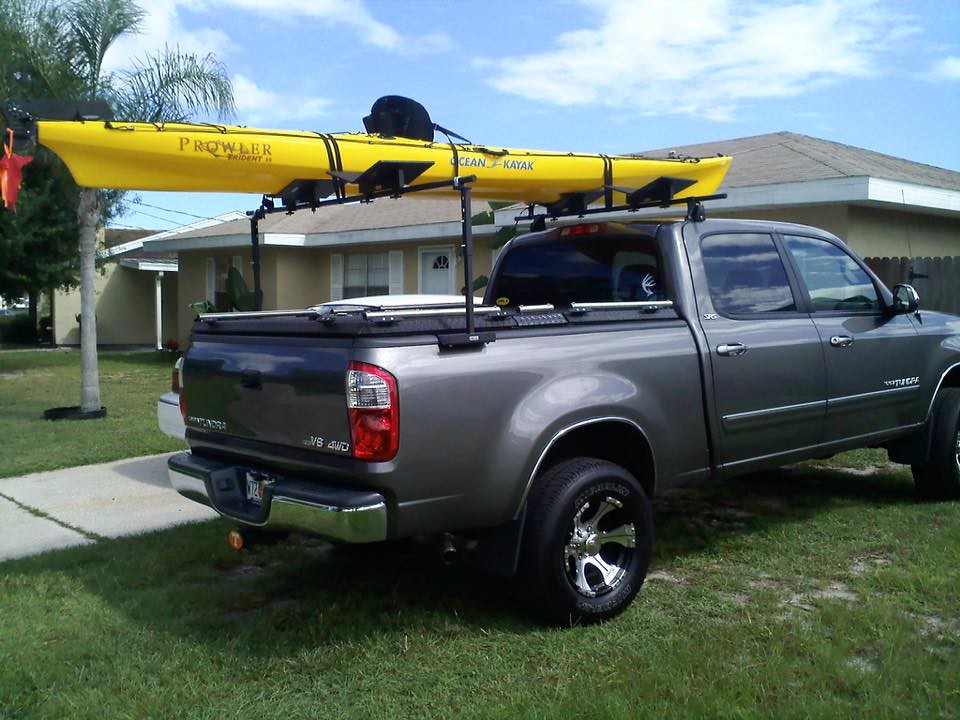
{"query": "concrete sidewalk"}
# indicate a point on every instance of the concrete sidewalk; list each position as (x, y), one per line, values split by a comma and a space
(80, 505)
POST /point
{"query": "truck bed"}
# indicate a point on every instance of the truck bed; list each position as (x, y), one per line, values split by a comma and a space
(261, 390)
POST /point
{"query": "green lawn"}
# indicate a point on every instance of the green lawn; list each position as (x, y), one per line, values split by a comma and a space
(31, 382)
(804, 593)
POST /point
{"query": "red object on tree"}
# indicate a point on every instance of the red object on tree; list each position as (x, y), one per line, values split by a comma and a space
(11, 173)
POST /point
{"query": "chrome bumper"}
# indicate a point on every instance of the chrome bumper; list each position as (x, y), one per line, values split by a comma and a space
(353, 516)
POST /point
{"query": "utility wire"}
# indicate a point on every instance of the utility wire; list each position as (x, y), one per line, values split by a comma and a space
(157, 217)
(179, 212)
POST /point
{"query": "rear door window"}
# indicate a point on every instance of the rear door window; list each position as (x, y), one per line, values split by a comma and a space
(587, 268)
(746, 274)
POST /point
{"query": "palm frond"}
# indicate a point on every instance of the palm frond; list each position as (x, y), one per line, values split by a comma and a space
(175, 86)
(95, 25)
(37, 50)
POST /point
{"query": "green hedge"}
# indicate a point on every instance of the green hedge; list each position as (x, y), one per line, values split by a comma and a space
(17, 329)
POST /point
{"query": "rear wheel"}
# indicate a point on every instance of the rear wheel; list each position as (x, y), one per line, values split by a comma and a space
(587, 541)
(939, 477)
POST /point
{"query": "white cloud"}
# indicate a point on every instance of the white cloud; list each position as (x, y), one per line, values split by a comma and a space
(947, 69)
(162, 27)
(702, 58)
(256, 105)
(349, 13)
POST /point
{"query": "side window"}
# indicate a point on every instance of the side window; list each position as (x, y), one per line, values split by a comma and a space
(834, 279)
(746, 274)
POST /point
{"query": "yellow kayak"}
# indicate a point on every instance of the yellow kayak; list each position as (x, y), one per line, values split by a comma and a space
(217, 158)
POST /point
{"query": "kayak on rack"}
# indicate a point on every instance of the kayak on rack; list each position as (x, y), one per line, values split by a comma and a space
(397, 149)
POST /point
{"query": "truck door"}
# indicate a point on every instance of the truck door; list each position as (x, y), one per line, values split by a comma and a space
(769, 381)
(873, 367)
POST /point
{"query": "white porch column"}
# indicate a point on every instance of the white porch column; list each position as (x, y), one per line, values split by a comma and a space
(158, 307)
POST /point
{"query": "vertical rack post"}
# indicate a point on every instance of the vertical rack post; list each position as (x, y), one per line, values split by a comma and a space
(255, 254)
(466, 230)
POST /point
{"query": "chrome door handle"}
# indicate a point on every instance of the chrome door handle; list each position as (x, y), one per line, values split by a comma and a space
(840, 341)
(730, 349)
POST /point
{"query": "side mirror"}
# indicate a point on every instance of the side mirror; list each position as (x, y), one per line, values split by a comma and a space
(905, 300)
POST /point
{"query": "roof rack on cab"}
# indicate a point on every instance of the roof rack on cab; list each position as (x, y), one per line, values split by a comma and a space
(659, 193)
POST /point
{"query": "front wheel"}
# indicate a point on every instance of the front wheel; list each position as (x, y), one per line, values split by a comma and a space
(939, 477)
(587, 541)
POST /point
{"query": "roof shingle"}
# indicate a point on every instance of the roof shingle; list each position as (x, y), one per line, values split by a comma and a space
(791, 157)
(341, 218)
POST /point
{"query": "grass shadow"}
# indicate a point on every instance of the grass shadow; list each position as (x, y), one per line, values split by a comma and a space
(697, 519)
(280, 598)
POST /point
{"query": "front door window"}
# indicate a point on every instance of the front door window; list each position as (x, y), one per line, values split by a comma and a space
(834, 280)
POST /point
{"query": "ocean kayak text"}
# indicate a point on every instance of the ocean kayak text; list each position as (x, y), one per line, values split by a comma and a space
(493, 163)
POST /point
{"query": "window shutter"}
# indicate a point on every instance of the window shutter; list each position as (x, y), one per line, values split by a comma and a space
(336, 276)
(396, 272)
(238, 263)
(211, 280)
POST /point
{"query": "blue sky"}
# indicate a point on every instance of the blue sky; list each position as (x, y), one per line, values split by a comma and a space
(613, 76)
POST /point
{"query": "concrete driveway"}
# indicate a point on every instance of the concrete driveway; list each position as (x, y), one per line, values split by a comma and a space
(80, 505)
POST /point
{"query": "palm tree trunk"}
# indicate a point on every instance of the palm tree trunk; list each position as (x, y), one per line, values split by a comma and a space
(88, 217)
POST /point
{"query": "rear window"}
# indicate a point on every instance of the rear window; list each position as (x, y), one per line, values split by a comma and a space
(588, 268)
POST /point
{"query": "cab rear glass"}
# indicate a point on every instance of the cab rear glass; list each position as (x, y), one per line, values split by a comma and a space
(583, 268)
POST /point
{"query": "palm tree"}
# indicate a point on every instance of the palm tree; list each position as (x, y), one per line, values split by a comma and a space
(61, 52)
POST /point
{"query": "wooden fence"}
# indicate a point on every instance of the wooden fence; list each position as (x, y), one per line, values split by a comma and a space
(937, 279)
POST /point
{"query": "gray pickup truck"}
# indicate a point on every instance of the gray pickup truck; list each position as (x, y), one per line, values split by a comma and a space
(618, 360)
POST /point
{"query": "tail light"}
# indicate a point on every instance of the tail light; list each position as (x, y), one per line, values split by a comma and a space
(579, 230)
(176, 377)
(372, 405)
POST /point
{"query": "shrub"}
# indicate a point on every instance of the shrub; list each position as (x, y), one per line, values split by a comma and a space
(17, 329)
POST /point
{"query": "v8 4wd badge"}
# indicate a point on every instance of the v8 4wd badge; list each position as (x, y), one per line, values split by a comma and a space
(315, 441)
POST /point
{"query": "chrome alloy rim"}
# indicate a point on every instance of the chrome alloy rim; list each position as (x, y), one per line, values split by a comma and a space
(956, 457)
(600, 545)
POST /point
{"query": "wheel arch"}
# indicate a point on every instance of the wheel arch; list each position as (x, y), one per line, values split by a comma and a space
(616, 439)
(949, 378)
(915, 449)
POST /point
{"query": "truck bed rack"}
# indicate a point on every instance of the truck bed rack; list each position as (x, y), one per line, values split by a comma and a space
(392, 181)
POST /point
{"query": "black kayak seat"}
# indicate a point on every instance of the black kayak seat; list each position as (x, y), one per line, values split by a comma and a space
(398, 116)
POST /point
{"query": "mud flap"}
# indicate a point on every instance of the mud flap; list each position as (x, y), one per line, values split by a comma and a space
(498, 550)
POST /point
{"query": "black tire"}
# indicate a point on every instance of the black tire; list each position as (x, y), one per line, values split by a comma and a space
(552, 575)
(939, 477)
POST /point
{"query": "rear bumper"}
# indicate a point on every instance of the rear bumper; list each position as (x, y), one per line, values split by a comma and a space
(354, 516)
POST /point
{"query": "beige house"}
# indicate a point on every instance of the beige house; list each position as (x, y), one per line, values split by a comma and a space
(410, 245)
(136, 292)
(880, 205)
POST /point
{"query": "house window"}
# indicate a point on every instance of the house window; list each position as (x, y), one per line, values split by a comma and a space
(217, 270)
(366, 274)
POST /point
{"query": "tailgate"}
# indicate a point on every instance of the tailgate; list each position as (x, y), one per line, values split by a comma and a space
(285, 391)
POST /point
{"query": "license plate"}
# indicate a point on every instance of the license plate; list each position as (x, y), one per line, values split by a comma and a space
(255, 485)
